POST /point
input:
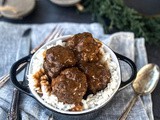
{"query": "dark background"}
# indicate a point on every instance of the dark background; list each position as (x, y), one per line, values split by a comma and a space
(46, 12)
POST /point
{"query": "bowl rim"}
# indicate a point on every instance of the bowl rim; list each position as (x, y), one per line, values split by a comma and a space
(64, 2)
(47, 105)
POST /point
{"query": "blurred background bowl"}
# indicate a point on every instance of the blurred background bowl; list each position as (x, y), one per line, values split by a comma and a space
(65, 2)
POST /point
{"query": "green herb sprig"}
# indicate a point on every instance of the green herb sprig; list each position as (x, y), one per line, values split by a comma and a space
(123, 18)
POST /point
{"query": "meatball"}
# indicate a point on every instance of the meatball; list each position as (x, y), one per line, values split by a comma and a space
(85, 46)
(56, 59)
(70, 86)
(98, 76)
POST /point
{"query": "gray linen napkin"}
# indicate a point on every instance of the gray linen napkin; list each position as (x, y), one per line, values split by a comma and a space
(32, 110)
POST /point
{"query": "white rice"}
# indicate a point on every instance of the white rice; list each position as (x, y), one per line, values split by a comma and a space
(92, 100)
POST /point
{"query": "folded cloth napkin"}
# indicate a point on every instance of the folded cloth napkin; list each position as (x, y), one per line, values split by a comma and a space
(123, 43)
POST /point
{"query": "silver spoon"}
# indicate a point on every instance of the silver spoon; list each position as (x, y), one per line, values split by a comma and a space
(145, 82)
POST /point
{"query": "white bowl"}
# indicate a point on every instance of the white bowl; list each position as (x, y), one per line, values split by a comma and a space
(39, 98)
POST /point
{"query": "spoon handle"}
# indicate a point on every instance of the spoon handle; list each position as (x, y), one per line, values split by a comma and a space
(128, 109)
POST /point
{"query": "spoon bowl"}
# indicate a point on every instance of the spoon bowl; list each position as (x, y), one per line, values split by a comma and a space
(147, 79)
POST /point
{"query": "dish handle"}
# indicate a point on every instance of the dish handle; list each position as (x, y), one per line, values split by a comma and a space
(13, 74)
(133, 68)
(25, 90)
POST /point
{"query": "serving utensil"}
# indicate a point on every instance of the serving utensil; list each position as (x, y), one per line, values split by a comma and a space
(145, 82)
(56, 32)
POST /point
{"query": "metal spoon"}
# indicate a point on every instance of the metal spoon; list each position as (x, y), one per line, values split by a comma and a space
(145, 82)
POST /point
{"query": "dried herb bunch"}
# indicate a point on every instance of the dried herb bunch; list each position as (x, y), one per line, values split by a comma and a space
(123, 18)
